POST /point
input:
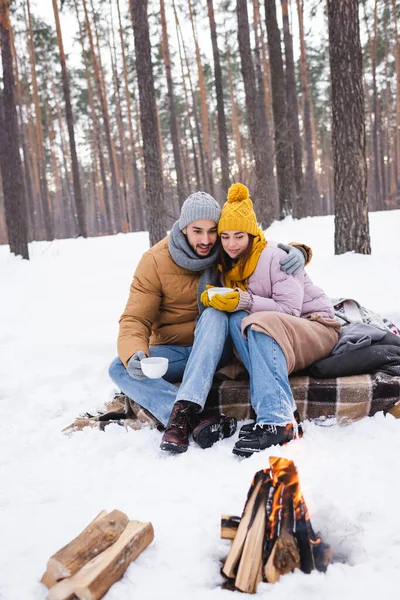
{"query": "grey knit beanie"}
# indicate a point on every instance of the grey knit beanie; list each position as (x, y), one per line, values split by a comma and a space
(199, 205)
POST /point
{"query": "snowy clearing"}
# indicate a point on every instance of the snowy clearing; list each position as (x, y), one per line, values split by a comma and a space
(58, 327)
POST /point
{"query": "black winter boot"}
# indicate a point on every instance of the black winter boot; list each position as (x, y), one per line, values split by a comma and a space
(213, 429)
(245, 429)
(263, 436)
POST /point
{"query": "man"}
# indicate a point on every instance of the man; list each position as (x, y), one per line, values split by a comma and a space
(163, 317)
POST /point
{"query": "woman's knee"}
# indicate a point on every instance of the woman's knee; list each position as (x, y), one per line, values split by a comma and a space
(235, 320)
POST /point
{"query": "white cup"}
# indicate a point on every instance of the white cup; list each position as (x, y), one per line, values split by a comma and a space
(218, 290)
(154, 367)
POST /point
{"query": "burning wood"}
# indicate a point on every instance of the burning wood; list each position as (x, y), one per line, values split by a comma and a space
(274, 536)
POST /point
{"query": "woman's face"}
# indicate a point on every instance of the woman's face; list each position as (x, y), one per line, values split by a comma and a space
(234, 243)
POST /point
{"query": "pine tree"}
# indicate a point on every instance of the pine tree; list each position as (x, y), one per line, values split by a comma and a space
(148, 119)
(348, 129)
(10, 160)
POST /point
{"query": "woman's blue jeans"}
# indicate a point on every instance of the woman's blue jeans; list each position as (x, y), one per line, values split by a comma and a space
(193, 365)
(270, 392)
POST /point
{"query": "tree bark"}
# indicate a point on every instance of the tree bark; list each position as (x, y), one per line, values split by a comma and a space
(148, 119)
(263, 204)
(106, 122)
(44, 192)
(284, 166)
(205, 129)
(138, 222)
(299, 208)
(10, 160)
(219, 89)
(173, 124)
(310, 188)
(80, 213)
(348, 129)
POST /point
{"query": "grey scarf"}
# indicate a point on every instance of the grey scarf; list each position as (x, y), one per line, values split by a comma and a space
(184, 256)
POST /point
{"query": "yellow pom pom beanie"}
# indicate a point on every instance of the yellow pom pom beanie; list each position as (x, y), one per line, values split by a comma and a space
(238, 213)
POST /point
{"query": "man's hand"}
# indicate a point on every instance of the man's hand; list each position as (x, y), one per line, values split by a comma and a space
(226, 303)
(294, 261)
(134, 369)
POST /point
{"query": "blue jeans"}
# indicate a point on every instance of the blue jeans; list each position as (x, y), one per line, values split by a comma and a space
(193, 365)
(270, 393)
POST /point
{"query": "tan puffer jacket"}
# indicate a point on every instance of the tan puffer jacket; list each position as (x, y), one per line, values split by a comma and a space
(162, 305)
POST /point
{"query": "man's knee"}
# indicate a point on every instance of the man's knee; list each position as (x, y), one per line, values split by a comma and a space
(115, 369)
(212, 316)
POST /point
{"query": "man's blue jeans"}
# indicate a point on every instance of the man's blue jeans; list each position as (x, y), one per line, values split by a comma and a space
(270, 393)
(193, 365)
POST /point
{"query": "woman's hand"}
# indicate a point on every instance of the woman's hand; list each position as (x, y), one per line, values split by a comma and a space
(204, 299)
(226, 303)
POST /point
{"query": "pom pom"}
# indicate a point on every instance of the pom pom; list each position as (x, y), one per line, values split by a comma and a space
(237, 192)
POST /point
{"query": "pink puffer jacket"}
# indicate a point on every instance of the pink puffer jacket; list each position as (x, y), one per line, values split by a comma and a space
(271, 289)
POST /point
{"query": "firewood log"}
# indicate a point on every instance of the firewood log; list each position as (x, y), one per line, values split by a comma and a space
(96, 577)
(48, 579)
(248, 572)
(98, 535)
(229, 526)
(237, 545)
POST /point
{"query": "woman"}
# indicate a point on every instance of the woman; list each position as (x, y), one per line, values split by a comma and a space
(279, 323)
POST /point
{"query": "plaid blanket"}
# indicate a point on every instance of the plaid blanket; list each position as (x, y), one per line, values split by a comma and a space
(345, 398)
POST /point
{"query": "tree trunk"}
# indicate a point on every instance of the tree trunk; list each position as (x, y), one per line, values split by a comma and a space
(203, 110)
(310, 188)
(188, 112)
(180, 184)
(31, 221)
(44, 192)
(107, 214)
(106, 122)
(80, 213)
(263, 204)
(138, 224)
(263, 111)
(148, 119)
(348, 129)
(284, 166)
(299, 209)
(397, 63)
(10, 160)
(235, 119)
(219, 89)
(194, 101)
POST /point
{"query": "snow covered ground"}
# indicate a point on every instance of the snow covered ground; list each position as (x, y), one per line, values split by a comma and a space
(58, 326)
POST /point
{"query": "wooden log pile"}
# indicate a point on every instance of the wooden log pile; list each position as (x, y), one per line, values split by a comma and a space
(91, 563)
(274, 535)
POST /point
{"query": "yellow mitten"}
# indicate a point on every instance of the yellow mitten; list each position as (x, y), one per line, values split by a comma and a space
(204, 299)
(226, 303)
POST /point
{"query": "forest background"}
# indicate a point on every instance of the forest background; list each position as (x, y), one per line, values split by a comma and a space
(242, 92)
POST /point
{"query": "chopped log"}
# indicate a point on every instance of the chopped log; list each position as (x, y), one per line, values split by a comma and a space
(48, 579)
(95, 578)
(94, 539)
(237, 545)
(271, 573)
(250, 565)
(229, 526)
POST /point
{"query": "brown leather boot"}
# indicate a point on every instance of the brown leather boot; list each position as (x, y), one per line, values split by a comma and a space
(180, 426)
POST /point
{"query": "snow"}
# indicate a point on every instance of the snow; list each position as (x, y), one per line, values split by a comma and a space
(58, 326)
